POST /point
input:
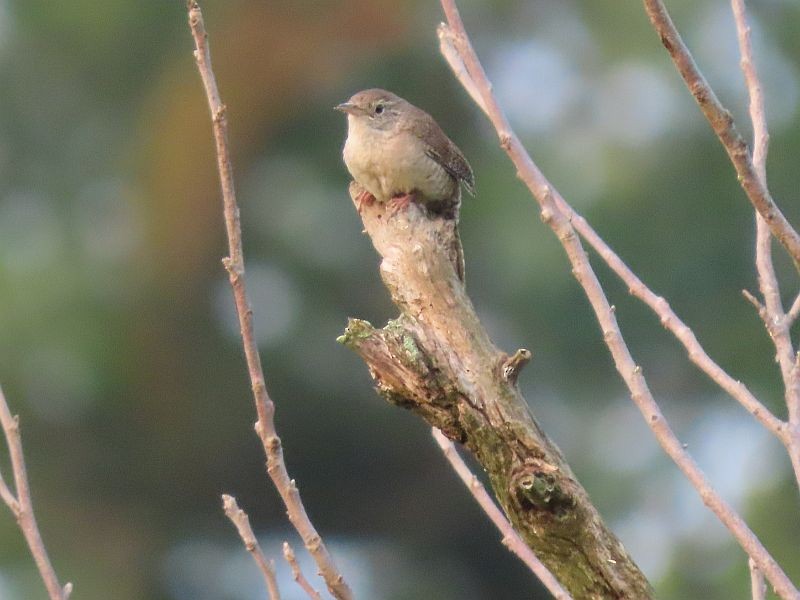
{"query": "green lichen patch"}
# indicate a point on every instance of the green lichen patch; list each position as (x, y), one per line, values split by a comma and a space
(356, 331)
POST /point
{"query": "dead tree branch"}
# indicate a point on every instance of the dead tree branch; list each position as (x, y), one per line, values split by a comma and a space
(234, 263)
(437, 360)
(21, 505)
(631, 373)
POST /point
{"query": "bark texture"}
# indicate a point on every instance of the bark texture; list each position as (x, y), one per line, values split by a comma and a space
(437, 360)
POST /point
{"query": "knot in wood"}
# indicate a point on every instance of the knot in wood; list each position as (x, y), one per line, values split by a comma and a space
(539, 486)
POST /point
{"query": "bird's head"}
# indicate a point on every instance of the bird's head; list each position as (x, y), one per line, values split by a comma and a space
(375, 108)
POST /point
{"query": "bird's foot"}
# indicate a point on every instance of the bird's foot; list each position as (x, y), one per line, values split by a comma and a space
(364, 199)
(399, 202)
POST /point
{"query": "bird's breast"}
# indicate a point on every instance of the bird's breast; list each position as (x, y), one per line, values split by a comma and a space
(388, 163)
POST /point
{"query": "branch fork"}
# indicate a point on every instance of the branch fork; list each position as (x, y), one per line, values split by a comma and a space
(20, 504)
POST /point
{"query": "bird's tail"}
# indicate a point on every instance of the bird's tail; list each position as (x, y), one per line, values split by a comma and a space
(449, 210)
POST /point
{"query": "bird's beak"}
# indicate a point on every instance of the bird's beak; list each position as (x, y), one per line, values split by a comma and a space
(347, 107)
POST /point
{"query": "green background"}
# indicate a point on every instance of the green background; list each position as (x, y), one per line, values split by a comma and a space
(118, 341)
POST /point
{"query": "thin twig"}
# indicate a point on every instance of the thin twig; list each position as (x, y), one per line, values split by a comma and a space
(288, 554)
(776, 320)
(760, 308)
(21, 505)
(631, 373)
(722, 123)
(754, 90)
(234, 263)
(453, 58)
(794, 311)
(8, 496)
(510, 537)
(673, 323)
(758, 587)
(242, 523)
(658, 304)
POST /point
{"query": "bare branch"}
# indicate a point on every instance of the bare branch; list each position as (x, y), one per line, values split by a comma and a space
(234, 263)
(695, 351)
(301, 580)
(722, 123)
(777, 322)
(631, 373)
(754, 90)
(758, 587)
(8, 497)
(21, 505)
(242, 523)
(510, 537)
(760, 308)
(437, 360)
(673, 323)
(794, 311)
(453, 58)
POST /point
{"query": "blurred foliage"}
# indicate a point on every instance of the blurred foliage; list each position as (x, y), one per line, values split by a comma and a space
(117, 340)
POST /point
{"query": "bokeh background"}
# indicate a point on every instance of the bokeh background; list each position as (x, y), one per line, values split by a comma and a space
(118, 341)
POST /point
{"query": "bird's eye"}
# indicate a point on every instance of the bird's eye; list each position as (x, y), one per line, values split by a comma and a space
(379, 109)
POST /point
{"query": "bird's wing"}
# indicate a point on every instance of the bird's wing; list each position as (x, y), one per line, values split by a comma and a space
(441, 149)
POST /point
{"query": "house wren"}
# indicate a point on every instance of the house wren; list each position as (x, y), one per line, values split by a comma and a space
(396, 150)
(398, 153)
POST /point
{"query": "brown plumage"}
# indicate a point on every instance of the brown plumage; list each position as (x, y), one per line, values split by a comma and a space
(394, 148)
(397, 151)
(441, 149)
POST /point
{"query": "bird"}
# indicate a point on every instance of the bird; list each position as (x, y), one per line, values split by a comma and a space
(399, 154)
(396, 150)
